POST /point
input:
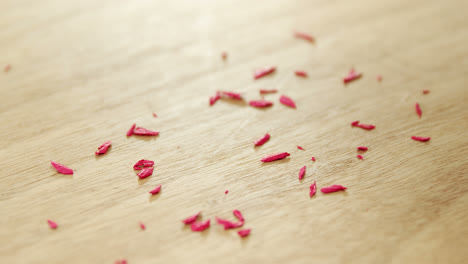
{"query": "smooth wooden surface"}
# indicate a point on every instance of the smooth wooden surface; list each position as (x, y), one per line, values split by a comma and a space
(84, 71)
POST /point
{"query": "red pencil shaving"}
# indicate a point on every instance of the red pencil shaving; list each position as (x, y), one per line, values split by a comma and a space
(352, 75)
(130, 131)
(421, 138)
(313, 189)
(232, 95)
(363, 126)
(359, 157)
(143, 164)
(301, 73)
(191, 219)
(260, 103)
(123, 261)
(266, 91)
(61, 168)
(426, 91)
(228, 224)
(224, 55)
(154, 114)
(276, 156)
(418, 110)
(52, 224)
(263, 72)
(200, 226)
(304, 36)
(145, 132)
(156, 190)
(333, 188)
(215, 98)
(362, 148)
(244, 232)
(142, 226)
(299, 147)
(262, 140)
(287, 101)
(145, 173)
(7, 68)
(103, 148)
(302, 172)
(379, 78)
(226, 192)
(312, 159)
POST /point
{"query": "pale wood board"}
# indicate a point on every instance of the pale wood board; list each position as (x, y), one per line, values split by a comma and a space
(84, 71)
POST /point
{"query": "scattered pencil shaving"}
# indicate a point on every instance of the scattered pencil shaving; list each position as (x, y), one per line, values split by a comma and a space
(418, 110)
(260, 103)
(426, 91)
(140, 131)
(52, 224)
(304, 36)
(313, 159)
(352, 75)
(191, 219)
(301, 73)
(156, 190)
(123, 261)
(302, 172)
(362, 148)
(287, 101)
(263, 72)
(262, 140)
(275, 156)
(145, 173)
(268, 91)
(299, 147)
(103, 148)
(360, 157)
(226, 192)
(333, 188)
(155, 115)
(130, 131)
(231, 95)
(224, 55)
(229, 224)
(244, 232)
(200, 226)
(379, 78)
(61, 168)
(313, 189)
(363, 126)
(143, 164)
(7, 68)
(421, 138)
(215, 98)
(142, 226)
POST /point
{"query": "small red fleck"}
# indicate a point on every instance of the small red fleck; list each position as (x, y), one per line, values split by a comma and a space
(333, 188)
(418, 110)
(266, 91)
(287, 101)
(299, 147)
(359, 157)
(244, 232)
(363, 126)
(426, 91)
(191, 219)
(103, 148)
(130, 131)
(260, 103)
(352, 75)
(313, 189)
(262, 140)
(215, 98)
(232, 95)
(145, 132)
(304, 36)
(123, 261)
(200, 226)
(224, 55)
(142, 226)
(7, 68)
(143, 164)
(226, 192)
(229, 224)
(379, 78)
(421, 138)
(301, 73)
(145, 173)
(313, 158)
(276, 156)
(61, 168)
(362, 148)
(154, 114)
(156, 190)
(302, 172)
(52, 224)
(264, 71)
(238, 214)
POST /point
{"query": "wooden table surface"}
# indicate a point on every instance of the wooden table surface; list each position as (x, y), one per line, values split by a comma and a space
(82, 72)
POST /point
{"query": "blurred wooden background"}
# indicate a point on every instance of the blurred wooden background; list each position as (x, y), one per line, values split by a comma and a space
(84, 71)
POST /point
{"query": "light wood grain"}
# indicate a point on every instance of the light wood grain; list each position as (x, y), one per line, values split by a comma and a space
(84, 71)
